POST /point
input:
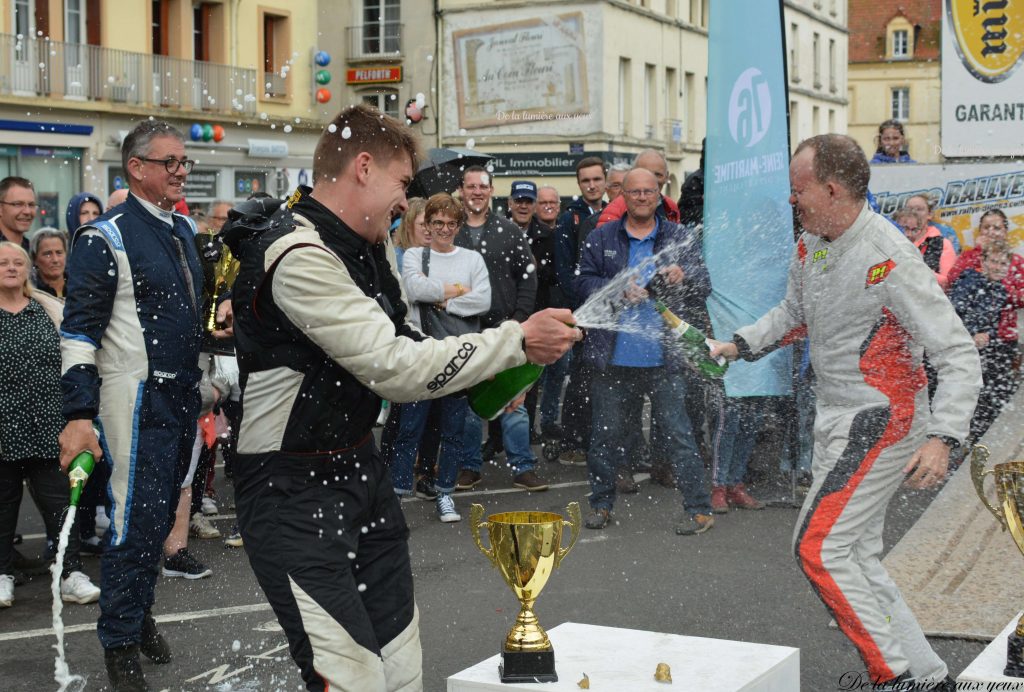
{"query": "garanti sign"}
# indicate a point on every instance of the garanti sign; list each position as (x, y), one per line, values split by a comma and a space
(982, 87)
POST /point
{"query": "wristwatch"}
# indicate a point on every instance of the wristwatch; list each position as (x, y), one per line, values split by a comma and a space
(950, 442)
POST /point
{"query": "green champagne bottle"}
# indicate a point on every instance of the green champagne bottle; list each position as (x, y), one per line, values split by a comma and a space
(489, 398)
(79, 470)
(694, 343)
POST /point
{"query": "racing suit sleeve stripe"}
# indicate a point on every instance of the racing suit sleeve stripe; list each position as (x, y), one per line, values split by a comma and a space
(782, 323)
(312, 288)
(92, 285)
(924, 310)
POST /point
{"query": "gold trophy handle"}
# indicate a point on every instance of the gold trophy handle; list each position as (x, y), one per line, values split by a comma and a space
(979, 459)
(476, 513)
(573, 509)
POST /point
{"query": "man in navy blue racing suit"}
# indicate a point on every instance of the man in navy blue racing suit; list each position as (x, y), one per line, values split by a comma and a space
(130, 346)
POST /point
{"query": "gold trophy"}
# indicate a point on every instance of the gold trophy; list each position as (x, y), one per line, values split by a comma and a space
(225, 271)
(526, 547)
(1009, 480)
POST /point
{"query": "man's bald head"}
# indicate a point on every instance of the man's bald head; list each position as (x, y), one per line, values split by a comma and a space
(652, 160)
(116, 198)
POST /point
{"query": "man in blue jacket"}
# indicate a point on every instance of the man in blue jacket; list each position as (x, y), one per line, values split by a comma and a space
(639, 361)
(130, 348)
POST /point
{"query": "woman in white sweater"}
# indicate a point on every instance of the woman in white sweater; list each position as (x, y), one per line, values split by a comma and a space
(448, 289)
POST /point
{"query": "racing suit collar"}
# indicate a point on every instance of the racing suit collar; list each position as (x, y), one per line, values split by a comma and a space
(850, 235)
(160, 214)
(326, 223)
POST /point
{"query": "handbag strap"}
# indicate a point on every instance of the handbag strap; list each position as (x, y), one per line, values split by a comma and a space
(426, 261)
(425, 266)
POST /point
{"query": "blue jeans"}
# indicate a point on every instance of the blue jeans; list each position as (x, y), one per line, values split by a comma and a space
(410, 432)
(617, 391)
(515, 434)
(734, 436)
(551, 390)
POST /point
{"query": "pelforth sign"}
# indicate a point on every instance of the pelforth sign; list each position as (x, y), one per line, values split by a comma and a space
(982, 85)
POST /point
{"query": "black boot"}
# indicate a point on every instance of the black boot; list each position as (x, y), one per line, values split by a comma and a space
(124, 669)
(153, 645)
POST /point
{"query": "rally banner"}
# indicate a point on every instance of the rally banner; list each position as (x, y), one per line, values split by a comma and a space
(982, 85)
(748, 224)
(961, 193)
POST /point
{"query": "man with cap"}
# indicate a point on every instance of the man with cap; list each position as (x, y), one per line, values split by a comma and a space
(522, 203)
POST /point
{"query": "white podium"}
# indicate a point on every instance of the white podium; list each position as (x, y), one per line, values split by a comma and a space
(988, 666)
(619, 659)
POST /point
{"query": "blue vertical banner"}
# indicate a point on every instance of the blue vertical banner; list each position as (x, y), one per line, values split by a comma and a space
(748, 224)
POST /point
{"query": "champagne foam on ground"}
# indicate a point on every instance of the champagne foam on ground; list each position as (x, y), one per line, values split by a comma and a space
(61, 672)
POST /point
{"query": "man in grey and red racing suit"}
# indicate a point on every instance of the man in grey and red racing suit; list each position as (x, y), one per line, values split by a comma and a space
(870, 307)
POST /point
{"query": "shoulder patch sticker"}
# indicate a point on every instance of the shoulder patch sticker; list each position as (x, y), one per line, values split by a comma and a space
(878, 272)
(820, 255)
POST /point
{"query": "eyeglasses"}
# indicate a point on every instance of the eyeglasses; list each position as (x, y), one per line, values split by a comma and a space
(172, 164)
(450, 225)
(476, 188)
(548, 204)
(523, 200)
(637, 194)
(613, 186)
(31, 206)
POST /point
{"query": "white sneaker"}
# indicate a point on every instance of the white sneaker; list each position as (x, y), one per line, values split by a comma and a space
(446, 509)
(200, 527)
(102, 520)
(209, 506)
(6, 590)
(78, 589)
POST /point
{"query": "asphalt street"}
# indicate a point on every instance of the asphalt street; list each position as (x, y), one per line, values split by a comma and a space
(738, 581)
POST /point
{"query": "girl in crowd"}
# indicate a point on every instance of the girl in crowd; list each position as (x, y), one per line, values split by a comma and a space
(892, 144)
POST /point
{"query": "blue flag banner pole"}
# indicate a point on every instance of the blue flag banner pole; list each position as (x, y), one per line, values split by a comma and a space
(748, 223)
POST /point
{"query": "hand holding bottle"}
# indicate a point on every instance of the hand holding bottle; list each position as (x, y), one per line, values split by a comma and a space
(549, 334)
(723, 349)
(78, 436)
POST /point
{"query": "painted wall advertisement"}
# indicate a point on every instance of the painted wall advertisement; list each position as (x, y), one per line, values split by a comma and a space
(961, 192)
(982, 85)
(522, 70)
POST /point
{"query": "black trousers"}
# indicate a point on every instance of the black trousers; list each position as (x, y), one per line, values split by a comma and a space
(328, 542)
(50, 491)
(999, 384)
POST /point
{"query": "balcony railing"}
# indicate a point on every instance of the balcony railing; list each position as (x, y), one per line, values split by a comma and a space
(379, 41)
(77, 72)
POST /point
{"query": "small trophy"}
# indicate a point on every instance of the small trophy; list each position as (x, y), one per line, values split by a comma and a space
(526, 547)
(1009, 480)
(225, 271)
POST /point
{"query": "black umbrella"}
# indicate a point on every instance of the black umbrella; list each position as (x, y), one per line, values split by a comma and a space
(442, 170)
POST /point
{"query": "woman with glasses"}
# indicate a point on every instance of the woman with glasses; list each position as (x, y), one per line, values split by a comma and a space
(30, 422)
(448, 289)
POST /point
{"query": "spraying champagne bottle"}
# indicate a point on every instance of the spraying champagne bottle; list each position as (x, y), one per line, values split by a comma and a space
(489, 398)
(79, 470)
(695, 345)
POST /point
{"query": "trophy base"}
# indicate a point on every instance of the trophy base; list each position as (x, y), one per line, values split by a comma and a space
(527, 666)
(1014, 656)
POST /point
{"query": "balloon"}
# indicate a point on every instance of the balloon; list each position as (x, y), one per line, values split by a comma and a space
(218, 133)
(322, 58)
(323, 95)
(207, 132)
(323, 77)
(196, 132)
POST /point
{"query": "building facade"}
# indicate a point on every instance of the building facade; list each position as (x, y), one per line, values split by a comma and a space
(894, 72)
(235, 75)
(816, 50)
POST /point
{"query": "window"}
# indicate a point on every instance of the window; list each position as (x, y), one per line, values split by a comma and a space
(832, 86)
(816, 120)
(794, 124)
(160, 22)
(831, 119)
(901, 103)
(650, 101)
(625, 94)
(384, 100)
(671, 93)
(794, 54)
(691, 106)
(900, 44)
(381, 27)
(276, 54)
(816, 56)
